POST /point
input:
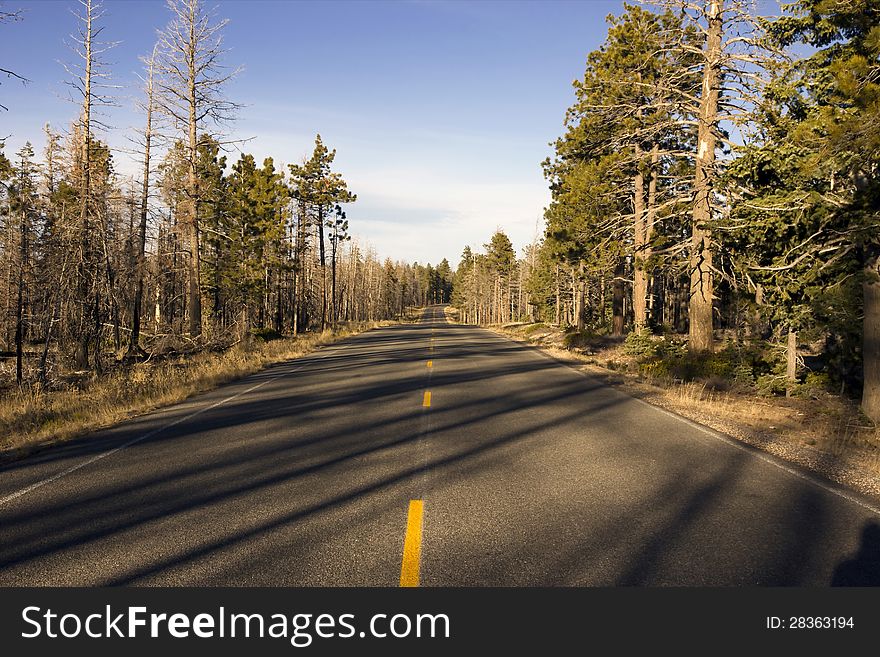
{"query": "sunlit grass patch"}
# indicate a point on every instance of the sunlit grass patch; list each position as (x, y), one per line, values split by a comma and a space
(31, 417)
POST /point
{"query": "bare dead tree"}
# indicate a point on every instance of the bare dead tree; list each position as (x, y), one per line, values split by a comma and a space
(731, 61)
(89, 81)
(190, 82)
(11, 17)
(134, 347)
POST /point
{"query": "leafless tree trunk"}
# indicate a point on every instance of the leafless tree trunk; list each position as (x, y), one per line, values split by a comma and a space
(871, 341)
(190, 84)
(701, 284)
(790, 361)
(194, 293)
(134, 347)
(84, 273)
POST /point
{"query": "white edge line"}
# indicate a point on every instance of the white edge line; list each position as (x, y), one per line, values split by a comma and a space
(150, 434)
(717, 435)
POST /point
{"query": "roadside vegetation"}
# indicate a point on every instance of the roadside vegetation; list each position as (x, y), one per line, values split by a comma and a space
(714, 203)
(34, 417)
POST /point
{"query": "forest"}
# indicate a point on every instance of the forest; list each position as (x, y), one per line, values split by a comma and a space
(714, 208)
(198, 252)
(715, 199)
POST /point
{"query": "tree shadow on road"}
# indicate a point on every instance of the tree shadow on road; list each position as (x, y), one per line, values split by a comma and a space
(286, 461)
(863, 569)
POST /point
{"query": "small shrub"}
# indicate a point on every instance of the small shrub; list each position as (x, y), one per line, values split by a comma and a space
(717, 383)
(670, 348)
(640, 343)
(815, 384)
(534, 328)
(655, 368)
(744, 375)
(769, 385)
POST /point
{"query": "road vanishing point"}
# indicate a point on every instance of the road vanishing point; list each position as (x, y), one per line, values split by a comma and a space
(427, 454)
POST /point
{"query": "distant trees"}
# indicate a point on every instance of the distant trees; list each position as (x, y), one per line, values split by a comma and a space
(488, 287)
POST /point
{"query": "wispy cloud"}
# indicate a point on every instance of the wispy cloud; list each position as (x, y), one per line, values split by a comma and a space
(426, 215)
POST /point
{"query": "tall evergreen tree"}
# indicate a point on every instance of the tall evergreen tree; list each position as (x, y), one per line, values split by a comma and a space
(842, 79)
(319, 190)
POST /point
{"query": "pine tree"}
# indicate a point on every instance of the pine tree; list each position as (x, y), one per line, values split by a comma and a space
(319, 190)
(191, 83)
(624, 132)
(842, 80)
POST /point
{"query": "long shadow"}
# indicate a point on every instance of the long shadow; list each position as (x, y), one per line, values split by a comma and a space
(650, 534)
(634, 527)
(802, 528)
(247, 410)
(310, 366)
(248, 469)
(290, 404)
(289, 447)
(290, 518)
(690, 510)
(77, 518)
(863, 568)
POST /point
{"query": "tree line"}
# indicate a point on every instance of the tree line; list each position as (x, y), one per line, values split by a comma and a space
(717, 177)
(199, 252)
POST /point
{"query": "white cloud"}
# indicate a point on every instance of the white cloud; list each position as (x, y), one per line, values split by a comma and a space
(426, 212)
(429, 216)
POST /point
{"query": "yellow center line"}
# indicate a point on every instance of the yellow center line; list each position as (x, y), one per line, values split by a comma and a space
(430, 364)
(426, 400)
(412, 544)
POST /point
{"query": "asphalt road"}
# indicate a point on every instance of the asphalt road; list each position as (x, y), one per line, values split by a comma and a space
(528, 472)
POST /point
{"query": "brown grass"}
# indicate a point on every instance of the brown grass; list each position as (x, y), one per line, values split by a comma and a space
(825, 434)
(31, 418)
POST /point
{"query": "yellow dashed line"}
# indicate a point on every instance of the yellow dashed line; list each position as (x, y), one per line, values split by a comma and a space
(412, 544)
(430, 364)
(426, 400)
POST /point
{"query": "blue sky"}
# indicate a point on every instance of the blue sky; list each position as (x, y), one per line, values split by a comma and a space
(440, 111)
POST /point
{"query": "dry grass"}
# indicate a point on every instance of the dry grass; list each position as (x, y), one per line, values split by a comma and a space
(31, 418)
(825, 434)
(411, 315)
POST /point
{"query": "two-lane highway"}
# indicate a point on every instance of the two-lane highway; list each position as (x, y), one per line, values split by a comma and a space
(429, 454)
